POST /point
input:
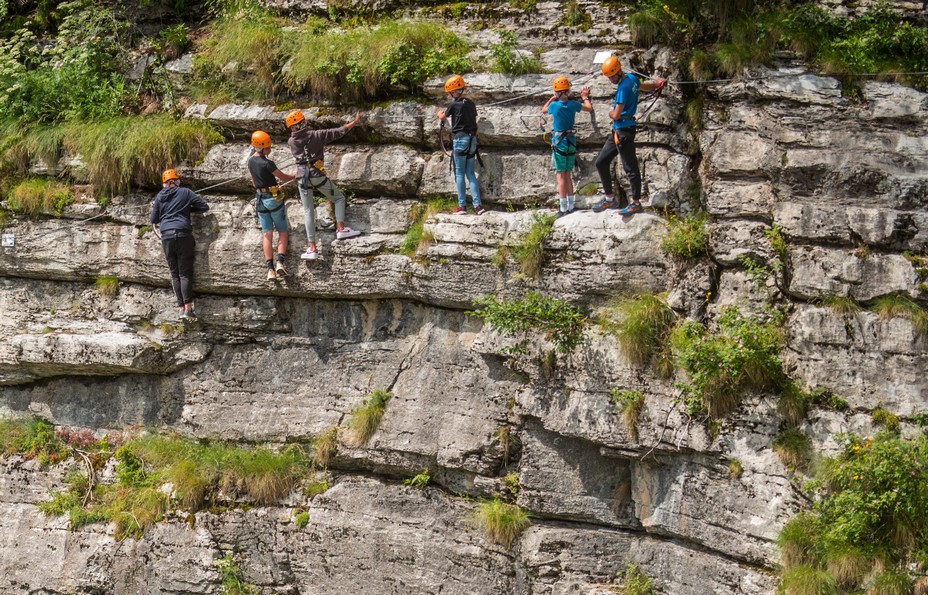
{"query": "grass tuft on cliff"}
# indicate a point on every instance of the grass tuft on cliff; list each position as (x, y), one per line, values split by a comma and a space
(868, 523)
(686, 238)
(366, 417)
(643, 326)
(502, 522)
(36, 196)
(416, 239)
(530, 252)
(628, 404)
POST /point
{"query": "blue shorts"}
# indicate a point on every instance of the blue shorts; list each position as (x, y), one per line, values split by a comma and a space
(564, 153)
(270, 218)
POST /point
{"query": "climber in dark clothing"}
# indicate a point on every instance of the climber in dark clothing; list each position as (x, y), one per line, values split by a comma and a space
(170, 211)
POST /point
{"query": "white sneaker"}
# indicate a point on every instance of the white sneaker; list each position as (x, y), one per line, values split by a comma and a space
(310, 254)
(345, 233)
(281, 270)
(271, 275)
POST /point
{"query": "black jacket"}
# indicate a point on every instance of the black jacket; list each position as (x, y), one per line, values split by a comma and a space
(172, 207)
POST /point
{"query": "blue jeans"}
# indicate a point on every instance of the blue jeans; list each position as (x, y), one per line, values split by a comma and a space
(464, 166)
(272, 215)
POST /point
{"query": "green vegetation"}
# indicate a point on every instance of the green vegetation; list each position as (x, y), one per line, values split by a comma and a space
(507, 59)
(301, 519)
(686, 239)
(735, 468)
(741, 355)
(200, 474)
(635, 582)
(886, 419)
(512, 484)
(233, 579)
(561, 322)
(575, 16)
(724, 38)
(794, 403)
(794, 449)
(363, 63)
(530, 252)
(39, 195)
(365, 418)
(107, 285)
(842, 305)
(420, 481)
(502, 522)
(644, 323)
(628, 404)
(325, 446)
(34, 439)
(416, 239)
(898, 306)
(868, 527)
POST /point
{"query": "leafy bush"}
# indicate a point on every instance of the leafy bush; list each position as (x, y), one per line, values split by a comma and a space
(741, 355)
(507, 59)
(40, 195)
(301, 519)
(869, 516)
(362, 63)
(530, 252)
(635, 581)
(628, 403)
(32, 438)
(233, 579)
(644, 324)
(365, 418)
(420, 481)
(688, 238)
(502, 522)
(562, 323)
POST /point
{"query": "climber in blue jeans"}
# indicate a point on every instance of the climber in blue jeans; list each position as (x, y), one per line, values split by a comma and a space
(463, 115)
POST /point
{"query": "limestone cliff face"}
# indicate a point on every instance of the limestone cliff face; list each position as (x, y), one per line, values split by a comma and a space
(845, 181)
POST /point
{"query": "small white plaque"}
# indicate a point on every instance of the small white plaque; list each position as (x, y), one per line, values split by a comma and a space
(601, 56)
(8, 240)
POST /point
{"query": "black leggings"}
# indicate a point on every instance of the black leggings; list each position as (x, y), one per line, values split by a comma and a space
(179, 253)
(625, 150)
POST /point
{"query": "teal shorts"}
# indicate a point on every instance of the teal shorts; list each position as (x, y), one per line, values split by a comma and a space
(272, 219)
(563, 162)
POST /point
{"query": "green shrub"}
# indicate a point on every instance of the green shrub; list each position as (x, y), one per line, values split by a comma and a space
(635, 582)
(512, 484)
(173, 41)
(363, 63)
(645, 321)
(628, 403)
(420, 481)
(869, 515)
(741, 355)
(686, 239)
(807, 580)
(575, 16)
(251, 40)
(886, 419)
(365, 418)
(506, 58)
(40, 195)
(530, 252)
(33, 439)
(502, 522)
(794, 449)
(561, 322)
(233, 579)
(301, 519)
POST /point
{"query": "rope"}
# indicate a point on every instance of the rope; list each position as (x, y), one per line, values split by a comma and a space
(773, 76)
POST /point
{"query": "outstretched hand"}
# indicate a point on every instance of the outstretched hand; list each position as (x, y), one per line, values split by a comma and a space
(353, 123)
(585, 93)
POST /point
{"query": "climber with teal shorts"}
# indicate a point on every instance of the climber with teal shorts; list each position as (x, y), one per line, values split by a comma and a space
(563, 111)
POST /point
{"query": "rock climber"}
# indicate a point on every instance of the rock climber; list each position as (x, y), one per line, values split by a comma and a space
(463, 115)
(563, 111)
(269, 203)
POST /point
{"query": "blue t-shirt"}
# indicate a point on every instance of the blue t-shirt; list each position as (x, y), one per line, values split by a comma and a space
(627, 94)
(564, 113)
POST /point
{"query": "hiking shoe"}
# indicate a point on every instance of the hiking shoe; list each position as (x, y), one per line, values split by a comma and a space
(605, 203)
(280, 269)
(271, 275)
(189, 315)
(459, 211)
(310, 254)
(634, 207)
(345, 233)
(478, 210)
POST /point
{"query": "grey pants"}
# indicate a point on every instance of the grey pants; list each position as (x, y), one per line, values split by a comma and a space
(328, 189)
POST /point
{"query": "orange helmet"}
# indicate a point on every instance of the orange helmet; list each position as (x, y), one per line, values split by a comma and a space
(454, 83)
(612, 66)
(561, 83)
(294, 117)
(168, 175)
(260, 139)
